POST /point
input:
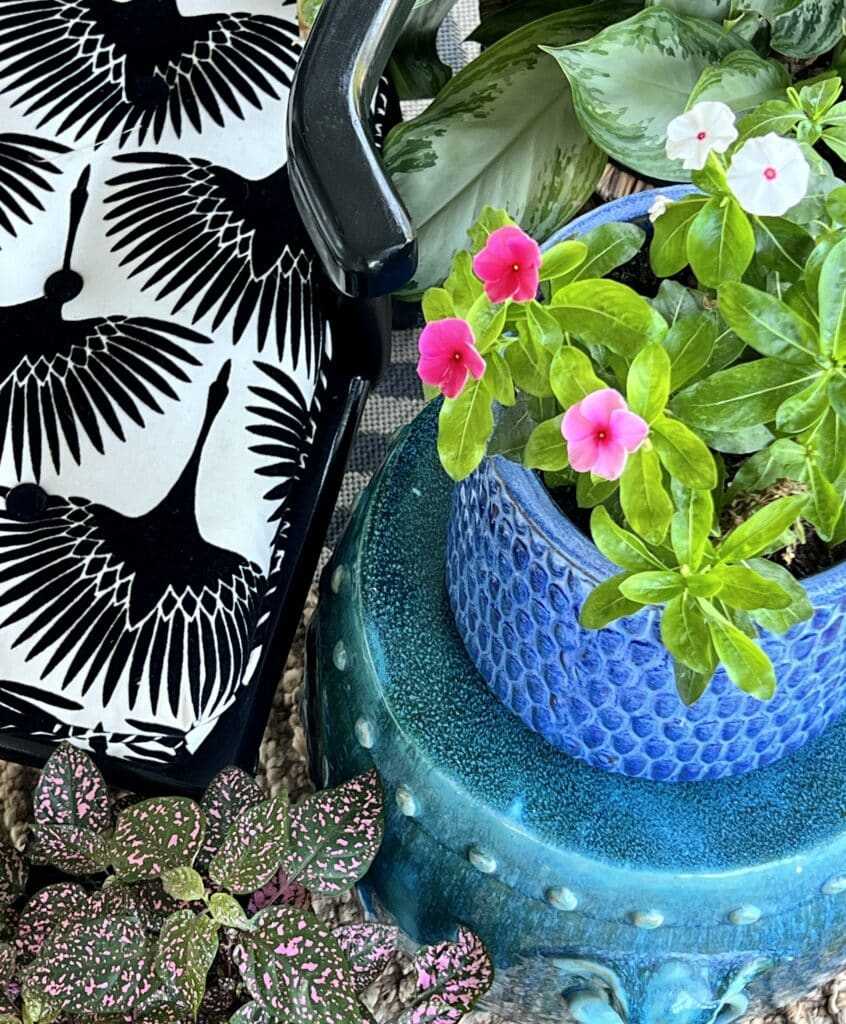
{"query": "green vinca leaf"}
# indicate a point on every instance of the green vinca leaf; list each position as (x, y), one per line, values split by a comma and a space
(782, 246)
(800, 608)
(744, 661)
(648, 382)
(562, 260)
(652, 587)
(832, 303)
(621, 546)
(608, 246)
(691, 684)
(607, 313)
(777, 116)
(761, 529)
(464, 426)
(504, 132)
(685, 456)
(803, 410)
(668, 249)
(572, 376)
(684, 631)
(646, 503)
(605, 603)
(825, 505)
(767, 324)
(781, 460)
(691, 523)
(546, 448)
(630, 80)
(155, 835)
(690, 343)
(720, 242)
(746, 395)
(529, 361)
(746, 589)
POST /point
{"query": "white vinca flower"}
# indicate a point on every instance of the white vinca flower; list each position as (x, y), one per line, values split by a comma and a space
(768, 175)
(706, 126)
(659, 208)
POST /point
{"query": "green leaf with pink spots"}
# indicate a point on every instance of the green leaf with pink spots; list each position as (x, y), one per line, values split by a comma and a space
(294, 969)
(335, 834)
(49, 907)
(184, 955)
(230, 793)
(451, 978)
(155, 835)
(254, 847)
(73, 849)
(90, 966)
(13, 875)
(71, 791)
(279, 890)
(369, 949)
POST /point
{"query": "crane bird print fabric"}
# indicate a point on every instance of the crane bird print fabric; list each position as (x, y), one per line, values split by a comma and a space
(162, 348)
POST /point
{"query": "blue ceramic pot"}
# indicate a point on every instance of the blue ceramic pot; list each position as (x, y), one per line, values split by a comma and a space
(518, 573)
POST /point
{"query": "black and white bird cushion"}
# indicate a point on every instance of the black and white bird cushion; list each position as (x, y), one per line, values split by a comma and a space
(161, 347)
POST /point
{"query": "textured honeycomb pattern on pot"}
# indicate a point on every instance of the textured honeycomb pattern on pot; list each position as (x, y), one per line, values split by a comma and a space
(607, 696)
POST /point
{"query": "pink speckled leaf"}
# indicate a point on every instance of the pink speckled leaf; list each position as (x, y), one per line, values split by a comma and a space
(335, 834)
(254, 847)
(71, 848)
(185, 952)
(71, 791)
(155, 835)
(9, 1018)
(90, 966)
(295, 968)
(369, 949)
(154, 904)
(252, 1013)
(230, 793)
(451, 978)
(51, 906)
(7, 961)
(279, 890)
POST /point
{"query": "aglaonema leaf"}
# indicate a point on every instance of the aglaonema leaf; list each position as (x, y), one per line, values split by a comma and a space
(369, 949)
(155, 835)
(71, 791)
(255, 846)
(416, 69)
(808, 29)
(335, 834)
(489, 138)
(230, 793)
(630, 80)
(451, 978)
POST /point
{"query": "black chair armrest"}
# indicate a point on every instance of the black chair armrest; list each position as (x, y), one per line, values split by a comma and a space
(362, 231)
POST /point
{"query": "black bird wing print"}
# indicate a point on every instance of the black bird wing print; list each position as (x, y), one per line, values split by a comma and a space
(141, 602)
(25, 171)
(285, 427)
(66, 380)
(115, 67)
(214, 242)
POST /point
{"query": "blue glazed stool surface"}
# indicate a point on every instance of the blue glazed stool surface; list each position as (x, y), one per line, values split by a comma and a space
(518, 573)
(595, 892)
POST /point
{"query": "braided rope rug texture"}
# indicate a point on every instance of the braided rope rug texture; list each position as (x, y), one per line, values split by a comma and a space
(283, 751)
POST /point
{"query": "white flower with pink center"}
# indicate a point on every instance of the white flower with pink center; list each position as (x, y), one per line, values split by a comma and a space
(769, 175)
(706, 126)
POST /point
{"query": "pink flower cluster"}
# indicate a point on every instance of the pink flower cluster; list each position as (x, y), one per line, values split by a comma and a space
(509, 266)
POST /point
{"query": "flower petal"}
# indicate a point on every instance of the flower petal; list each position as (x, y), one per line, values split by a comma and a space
(628, 429)
(582, 454)
(454, 379)
(575, 427)
(598, 406)
(475, 363)
(610, 460)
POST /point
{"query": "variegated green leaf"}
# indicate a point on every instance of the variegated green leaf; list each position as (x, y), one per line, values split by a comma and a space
(416, 69)
(811, 28)
(502, 132)
(630, 80)
(743, 80)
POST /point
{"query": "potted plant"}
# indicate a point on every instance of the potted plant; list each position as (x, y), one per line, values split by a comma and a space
(170, 911)
(667, 603)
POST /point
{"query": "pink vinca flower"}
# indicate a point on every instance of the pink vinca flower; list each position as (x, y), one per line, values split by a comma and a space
(509, 265)
(601, 433)
(448, 355)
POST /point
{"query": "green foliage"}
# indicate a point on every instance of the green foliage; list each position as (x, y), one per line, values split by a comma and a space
(148, 936)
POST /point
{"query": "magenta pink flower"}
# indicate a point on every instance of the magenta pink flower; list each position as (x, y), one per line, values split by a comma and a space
(509, 265)
(601, 433)
(448, 355)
